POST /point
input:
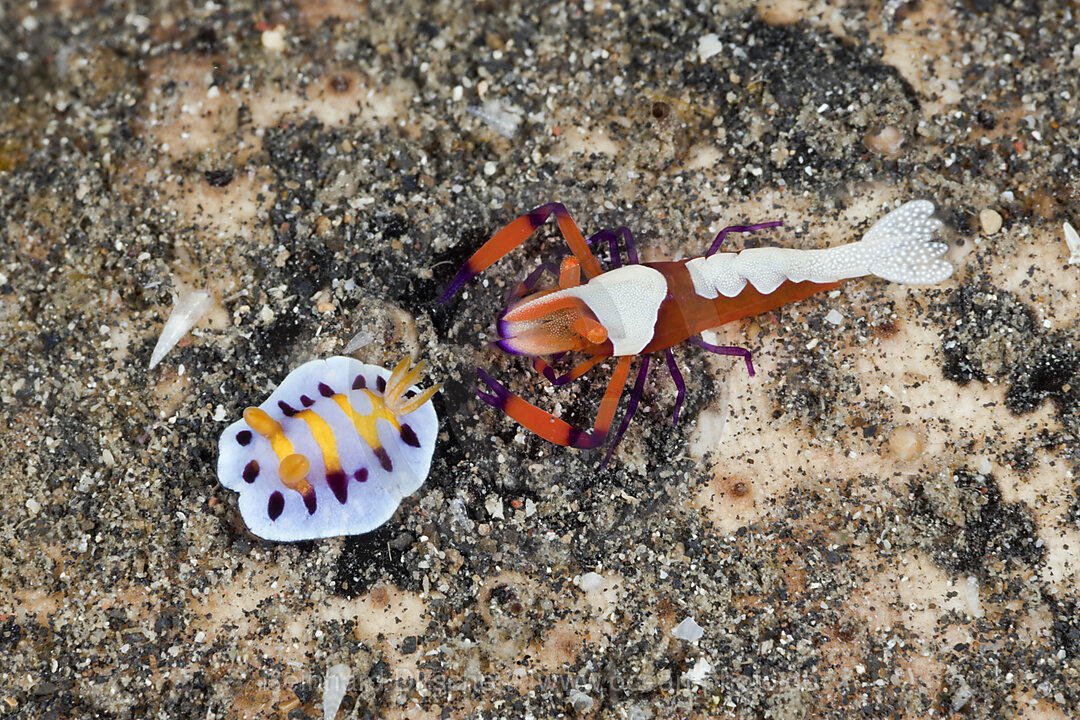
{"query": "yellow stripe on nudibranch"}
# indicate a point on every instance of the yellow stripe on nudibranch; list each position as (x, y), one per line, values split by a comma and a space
(365, 424)
(270, 429)
(292, 466)
(324, 437)
(293, 472)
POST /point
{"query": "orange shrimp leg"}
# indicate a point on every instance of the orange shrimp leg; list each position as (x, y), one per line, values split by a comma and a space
(631, 408)
(547, 425)
(569, 273)
(516, 233)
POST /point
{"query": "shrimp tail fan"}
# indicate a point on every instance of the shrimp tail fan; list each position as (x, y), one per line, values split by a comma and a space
(901, 246)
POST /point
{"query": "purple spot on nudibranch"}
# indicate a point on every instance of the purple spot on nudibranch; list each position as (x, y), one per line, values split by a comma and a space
(409, 435)
(326, 390)
(410, 393)
(384, 459)
(251, 471)
(276, 505)
(286, 408)
(359, 383)
(380, 383)
(339, 485)
(309, 501)
(361, 475)
(306, 401)
(243, 437)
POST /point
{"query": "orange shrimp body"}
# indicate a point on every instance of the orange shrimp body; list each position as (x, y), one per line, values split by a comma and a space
(637, 309)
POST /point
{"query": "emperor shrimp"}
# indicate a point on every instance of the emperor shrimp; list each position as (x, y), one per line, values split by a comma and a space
(636, 309)
(332, 451)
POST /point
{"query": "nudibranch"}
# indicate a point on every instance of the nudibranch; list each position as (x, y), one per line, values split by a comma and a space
(333, 450)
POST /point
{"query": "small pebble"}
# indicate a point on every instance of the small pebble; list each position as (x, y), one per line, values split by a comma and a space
(834, 317)
(581, 702)
(990, 221)
(708, 45)
(274, 40)
(905, 443)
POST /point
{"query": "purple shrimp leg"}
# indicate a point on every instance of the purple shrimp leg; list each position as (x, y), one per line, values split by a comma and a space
(612, 237)
(679, 384)
(548, 372)
(739, 228)
(727, 350)
(613, 246)
(523, 287)
(631, 408)
(501, 395)
(631, 250)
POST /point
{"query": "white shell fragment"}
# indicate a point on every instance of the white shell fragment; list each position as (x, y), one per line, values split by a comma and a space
(333, 450)
(335, 684)
(969, 591)
(1072, 239)
(359, 340)
(688, 629)
(187, 310)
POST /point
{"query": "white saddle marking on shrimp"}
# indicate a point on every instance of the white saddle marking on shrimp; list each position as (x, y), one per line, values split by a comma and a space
(626, 301)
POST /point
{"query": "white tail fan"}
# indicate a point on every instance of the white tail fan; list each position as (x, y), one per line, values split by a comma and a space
(902, 249)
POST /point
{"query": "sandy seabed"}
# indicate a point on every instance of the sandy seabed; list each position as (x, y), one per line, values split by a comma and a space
(883, 523)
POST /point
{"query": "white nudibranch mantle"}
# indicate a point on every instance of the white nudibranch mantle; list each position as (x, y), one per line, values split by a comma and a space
(333, 450)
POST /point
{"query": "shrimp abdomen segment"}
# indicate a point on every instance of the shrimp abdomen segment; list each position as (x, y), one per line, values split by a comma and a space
(685, 312)
(766, 269)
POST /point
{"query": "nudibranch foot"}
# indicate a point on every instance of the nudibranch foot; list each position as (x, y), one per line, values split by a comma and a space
(332, 451)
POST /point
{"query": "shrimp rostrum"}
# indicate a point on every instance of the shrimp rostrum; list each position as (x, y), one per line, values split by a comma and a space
(635, 309)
